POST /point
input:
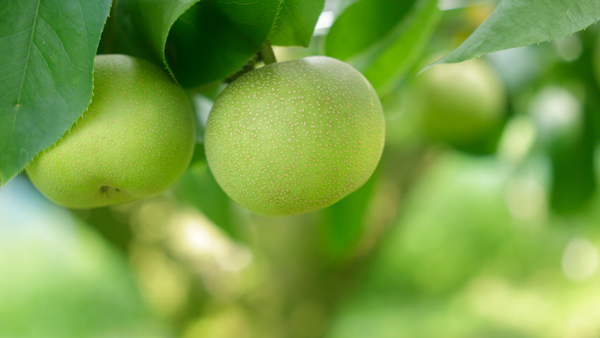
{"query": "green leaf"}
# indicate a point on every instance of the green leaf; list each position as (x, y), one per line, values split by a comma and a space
(199, 41)
(199, 188)
(401, 55)
(47, 51)
(518, 23)
(296, 22)
(345, 221)
(390, 45)
(571, 145)
(363, 24)
(573, 179)
(114, 229)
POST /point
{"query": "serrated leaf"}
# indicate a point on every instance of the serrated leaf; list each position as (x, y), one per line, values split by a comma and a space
(199, 41)
(296, 22)
(47, 51)
(518, 23)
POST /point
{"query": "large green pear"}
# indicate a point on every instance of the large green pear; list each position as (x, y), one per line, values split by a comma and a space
(134, 141)
(295, 136)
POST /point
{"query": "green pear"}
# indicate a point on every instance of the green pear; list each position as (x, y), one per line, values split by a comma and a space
(295, 136)
(458, 103)
(134, 141)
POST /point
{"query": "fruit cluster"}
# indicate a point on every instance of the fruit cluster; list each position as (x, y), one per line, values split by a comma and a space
(281, 140)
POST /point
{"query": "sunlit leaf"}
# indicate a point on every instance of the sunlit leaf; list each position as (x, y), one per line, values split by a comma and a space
(388, 41)
(517, 23)
(404, 52)
(296, 22)
(364, 24)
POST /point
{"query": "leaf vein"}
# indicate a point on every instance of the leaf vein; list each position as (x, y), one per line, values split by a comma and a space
(13, 35)
(61, 43)
(10, 75)
(18, 105)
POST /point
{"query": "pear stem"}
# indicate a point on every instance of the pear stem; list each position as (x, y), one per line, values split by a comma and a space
(266, 52)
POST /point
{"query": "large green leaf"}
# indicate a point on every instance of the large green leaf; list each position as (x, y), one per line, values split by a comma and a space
(389, 43)
(296, 22)
(199, 41)
(47, 51)
(517, 23)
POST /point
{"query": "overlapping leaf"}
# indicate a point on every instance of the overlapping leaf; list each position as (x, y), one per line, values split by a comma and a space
(383, 38)
(404, 52)
(47, 51)
(200, 41)
(363, 24)
(296, 22)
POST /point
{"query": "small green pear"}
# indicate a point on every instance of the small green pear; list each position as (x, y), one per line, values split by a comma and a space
(458, 103)
(295, 136)
(134, 141)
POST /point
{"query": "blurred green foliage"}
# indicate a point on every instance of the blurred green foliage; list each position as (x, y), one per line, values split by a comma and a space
(60, 279)
(494, 237)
